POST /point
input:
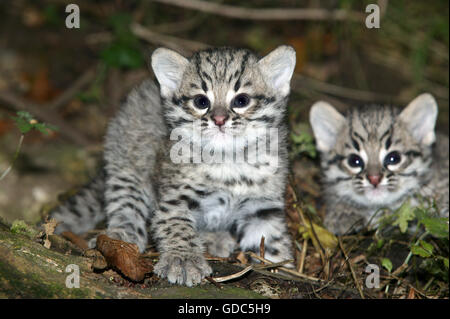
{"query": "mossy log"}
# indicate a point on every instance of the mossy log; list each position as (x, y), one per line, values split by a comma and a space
(29, 270)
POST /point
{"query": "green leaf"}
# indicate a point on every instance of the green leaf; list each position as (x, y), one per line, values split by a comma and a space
(25, 123)
(380, 243)
(404, 214)
(417, 250)
(444, 260)
(426, 246)
(386, 263)
(121, 55)
(436, 226)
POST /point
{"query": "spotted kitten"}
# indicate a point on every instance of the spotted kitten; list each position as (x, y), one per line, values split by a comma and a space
(377, 157)
(230, 97)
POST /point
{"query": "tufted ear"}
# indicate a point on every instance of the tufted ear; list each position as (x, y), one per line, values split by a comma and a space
(277, 68)
(168, 67)
(420, 118)
(326, 123)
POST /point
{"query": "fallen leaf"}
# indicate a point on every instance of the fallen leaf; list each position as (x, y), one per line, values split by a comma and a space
(49, 229)
(98, 260)
(326, 238)
(242, 258)
(124, 257)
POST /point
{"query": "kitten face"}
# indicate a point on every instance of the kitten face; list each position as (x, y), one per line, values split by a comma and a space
(229, 92)
(375, 156)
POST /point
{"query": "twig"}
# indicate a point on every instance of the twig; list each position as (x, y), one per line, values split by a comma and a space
(16, 154)
(266, 13)
(300, 81)
(355, 279)
(303, 256)
(287, 270)
(233, 276)
(261, 247)
(214, 282)
(177, 44)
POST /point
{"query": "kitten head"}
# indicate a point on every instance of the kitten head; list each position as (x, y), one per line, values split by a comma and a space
(376, 155)
(229, 91)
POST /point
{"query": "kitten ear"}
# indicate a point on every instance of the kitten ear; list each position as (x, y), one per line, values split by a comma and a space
(277, 68)
(168, 67)
(420, 118)
(326, 123)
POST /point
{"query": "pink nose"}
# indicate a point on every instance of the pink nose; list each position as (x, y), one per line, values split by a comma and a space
(374, 179)
(220, 120)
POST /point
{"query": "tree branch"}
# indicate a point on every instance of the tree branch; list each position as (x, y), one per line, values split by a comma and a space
(265, 13)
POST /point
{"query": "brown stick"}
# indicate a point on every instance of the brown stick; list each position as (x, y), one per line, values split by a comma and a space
(289, 271)
(355, 279)
(177, 44)
(266, 13)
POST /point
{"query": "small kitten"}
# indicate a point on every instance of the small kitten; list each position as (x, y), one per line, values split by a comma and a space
(377, 157)
(217, 100)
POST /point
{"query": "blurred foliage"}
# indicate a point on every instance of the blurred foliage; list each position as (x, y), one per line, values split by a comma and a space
(124, 50)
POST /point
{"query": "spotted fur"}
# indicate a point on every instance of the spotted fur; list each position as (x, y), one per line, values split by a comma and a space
(188, 205)
(400, 153)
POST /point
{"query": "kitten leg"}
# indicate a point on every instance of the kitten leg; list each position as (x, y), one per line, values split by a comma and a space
(83, 211)
(173, 227)
(128, 206)
(220, 244)
(270, 223)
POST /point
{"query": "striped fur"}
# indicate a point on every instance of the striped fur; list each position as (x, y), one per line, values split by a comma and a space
(375, 133)
(192, 206)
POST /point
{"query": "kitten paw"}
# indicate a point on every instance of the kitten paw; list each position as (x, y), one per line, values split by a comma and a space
(184, 270)
(220, 244)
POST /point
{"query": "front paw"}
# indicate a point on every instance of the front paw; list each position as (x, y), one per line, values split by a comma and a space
(182, 269)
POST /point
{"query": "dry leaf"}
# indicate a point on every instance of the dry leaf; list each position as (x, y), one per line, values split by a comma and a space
(49, 229)
(242, 258)
(98, 261)
(124, 257)
(327, 239)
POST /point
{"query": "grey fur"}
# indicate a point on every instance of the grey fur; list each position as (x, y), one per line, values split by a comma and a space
(192, 206)
(373, 132)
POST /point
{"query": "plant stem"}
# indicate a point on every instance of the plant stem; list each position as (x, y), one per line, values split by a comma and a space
(16, 155)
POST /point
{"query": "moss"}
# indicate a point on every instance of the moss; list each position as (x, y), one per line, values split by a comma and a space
(204, 292)
(20, 227)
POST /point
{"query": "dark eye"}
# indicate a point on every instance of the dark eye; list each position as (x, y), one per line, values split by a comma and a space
(392, 158)
(240, 100)
(355, 161)
(201, 101)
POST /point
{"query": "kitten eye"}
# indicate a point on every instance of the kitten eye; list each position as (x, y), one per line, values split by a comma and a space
(241, 100)
(201, 101)
(392, 158)
(355, 161)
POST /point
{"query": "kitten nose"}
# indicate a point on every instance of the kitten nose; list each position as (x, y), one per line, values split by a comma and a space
(220, 120)
(374, 179)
